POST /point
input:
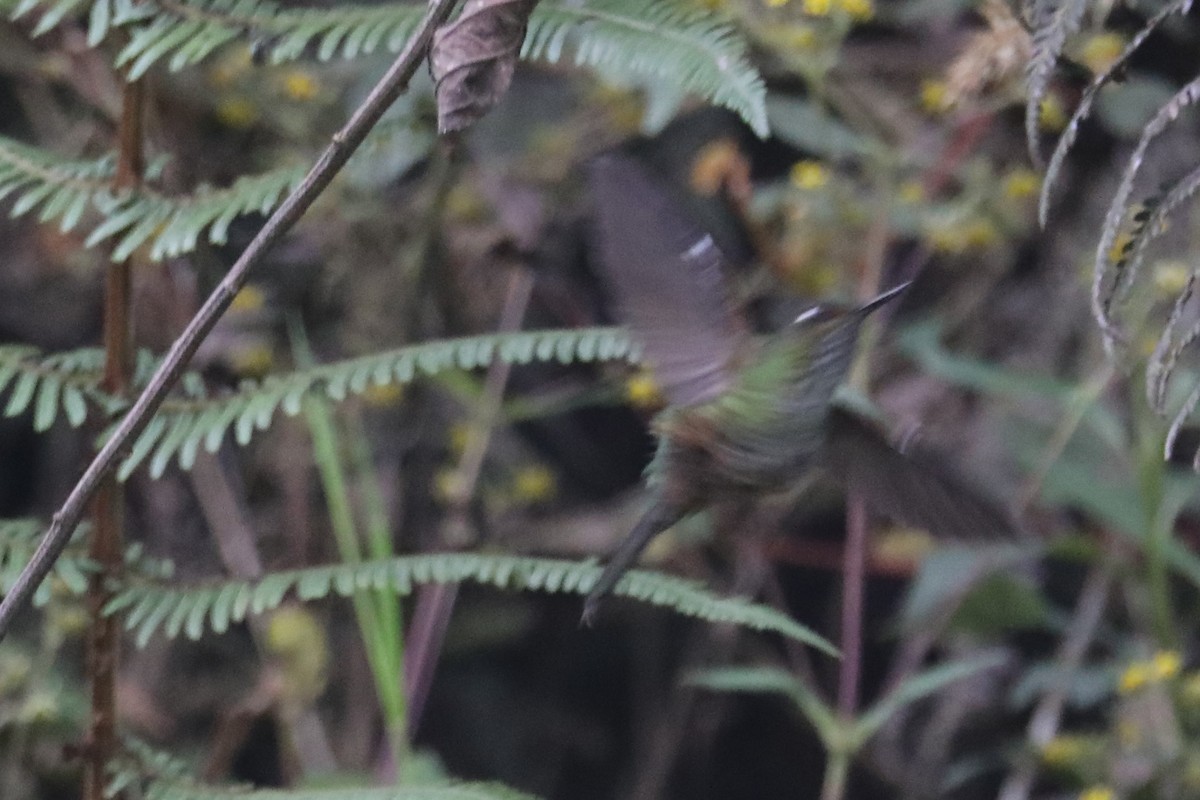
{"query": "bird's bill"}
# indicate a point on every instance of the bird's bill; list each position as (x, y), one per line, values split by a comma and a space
(884, 298)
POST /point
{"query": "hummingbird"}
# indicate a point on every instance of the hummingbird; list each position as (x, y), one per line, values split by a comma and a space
(747, 416)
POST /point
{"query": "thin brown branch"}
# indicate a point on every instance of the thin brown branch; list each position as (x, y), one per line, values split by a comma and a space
(434, 604)
(106, 539)
(343, 144)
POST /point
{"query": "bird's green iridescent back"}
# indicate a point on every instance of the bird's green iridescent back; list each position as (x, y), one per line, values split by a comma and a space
(770, 424)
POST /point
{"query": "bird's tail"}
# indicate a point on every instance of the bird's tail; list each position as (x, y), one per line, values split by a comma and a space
(656, 520)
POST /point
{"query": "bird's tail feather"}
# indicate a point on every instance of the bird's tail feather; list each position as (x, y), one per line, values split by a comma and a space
(656, 520)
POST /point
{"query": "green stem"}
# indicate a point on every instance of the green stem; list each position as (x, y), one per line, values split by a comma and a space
(376, 612)
(379, 546)
(837, 770)
(1151, 474)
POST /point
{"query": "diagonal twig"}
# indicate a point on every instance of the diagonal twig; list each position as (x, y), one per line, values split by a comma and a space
(334, 157)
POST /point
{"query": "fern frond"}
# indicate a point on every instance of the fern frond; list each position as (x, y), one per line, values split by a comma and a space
(672, 41)
(63, 189)
(66, 190)
(184, 425)
(161, 776)
(1149, 225)
(1071, 132)
(1103, 298)
(175, 224)
(1053, 22)
(1181, 417)
(194, 610)
(19, 538)
(1161, 367)
(190, 790)
(668, 41)
(49, 384)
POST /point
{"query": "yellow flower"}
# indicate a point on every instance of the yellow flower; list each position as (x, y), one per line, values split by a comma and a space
(642, 392)
(1097, 793)
(449, 486)
(237, 112)
(981, 233)
(1129, 734)
(802, 37)
(300, 648)
(776, 3)
(1021, 183)
(960, 236)
(1189, 693)
(1051, 115)
(1117, 251)
(1135, 676)
(934, 96)
(383, 395)
(1165, 664)
(1062, 751)
(254, 360)
(1101, 50)
(460, 434)
(534, 484)
(809, 175)
(818, 8)
(911, 192)
(250, 298)
(1170, 277)
(300, 85)
(228, 69)
(859, 10)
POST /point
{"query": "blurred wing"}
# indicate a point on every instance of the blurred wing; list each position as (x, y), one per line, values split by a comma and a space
(912, 488)
(666, 275)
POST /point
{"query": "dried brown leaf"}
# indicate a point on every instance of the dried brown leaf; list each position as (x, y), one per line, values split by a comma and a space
(472, 59)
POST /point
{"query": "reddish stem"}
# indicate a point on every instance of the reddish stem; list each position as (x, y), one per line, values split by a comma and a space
(106, 541)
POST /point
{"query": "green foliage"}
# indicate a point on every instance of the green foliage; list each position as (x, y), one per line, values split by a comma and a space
(189, 790)
(65, 190)
(667, 40)
(65, 382)
(149, 774)
(1130, 225)
(671, 42)
(193, 611)
(182, 426)
(1053, 22)
(839, 734)
(19, 538)
(47, 384)
(1083, 110)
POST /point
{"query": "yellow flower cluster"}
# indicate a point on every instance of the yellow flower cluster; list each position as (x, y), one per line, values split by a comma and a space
(1021, 183)
(974, 233)
(642, 392)
(1101, 50)
(1171, 276)
(935, 96)
(300, 85)
(1097, 793)
(383, 395)
(857, 10)
(534, 483)
(1164, 665)
(237, 112)
(1051, 114)
(249, 298)
(1062, 751)
(809, 175)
